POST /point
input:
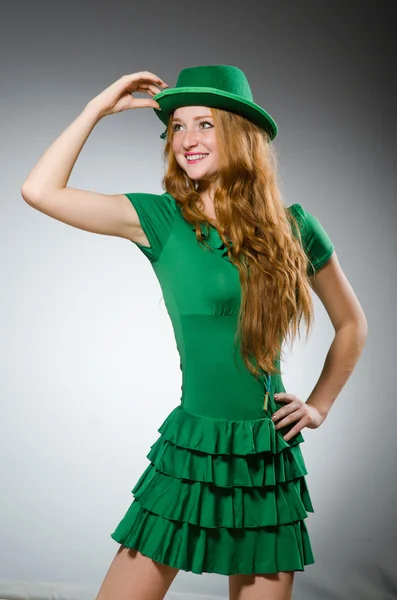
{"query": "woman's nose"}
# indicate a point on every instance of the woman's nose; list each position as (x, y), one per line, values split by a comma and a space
(190, 138)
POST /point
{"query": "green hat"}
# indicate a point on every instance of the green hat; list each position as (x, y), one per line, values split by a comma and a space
(219, 86)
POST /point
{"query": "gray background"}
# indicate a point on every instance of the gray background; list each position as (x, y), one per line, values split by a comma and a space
(89, 367)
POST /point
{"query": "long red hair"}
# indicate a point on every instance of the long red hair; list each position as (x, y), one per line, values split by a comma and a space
(266, 240)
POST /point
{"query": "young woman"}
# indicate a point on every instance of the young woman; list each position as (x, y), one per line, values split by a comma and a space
(225, 490)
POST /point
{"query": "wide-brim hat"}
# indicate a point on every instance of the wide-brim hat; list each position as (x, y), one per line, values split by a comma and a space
(218, 86)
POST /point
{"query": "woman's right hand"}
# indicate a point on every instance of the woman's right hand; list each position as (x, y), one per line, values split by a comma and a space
(119, 95)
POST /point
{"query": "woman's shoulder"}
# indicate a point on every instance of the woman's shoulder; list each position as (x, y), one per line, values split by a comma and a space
(305, 219)
(316, 241)
(166, 196)
(155, 199)
(297, 210)
(156, 214)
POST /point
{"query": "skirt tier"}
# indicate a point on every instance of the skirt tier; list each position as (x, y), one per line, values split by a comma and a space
(221, 496)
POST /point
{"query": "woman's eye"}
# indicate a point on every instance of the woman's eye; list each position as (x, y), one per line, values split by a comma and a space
(201, 123)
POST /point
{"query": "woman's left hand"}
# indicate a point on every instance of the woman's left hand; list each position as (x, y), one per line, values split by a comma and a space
(296, 410)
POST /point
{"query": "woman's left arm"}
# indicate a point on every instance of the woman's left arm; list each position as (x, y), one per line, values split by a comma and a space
(348, 319)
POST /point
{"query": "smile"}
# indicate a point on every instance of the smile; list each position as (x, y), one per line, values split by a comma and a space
(194, 158)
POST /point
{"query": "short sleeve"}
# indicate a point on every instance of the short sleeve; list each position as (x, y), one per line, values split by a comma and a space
(316, 242)
(156, 215)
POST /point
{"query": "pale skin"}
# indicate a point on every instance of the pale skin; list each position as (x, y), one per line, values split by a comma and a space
(131, 575)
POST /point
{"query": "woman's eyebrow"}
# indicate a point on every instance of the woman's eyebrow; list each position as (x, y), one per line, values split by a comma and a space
(195, 118)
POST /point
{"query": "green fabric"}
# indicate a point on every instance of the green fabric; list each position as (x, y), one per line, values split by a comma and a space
(223, 492)
(316, 242)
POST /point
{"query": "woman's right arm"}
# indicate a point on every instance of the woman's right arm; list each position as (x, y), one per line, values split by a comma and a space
(45, 188)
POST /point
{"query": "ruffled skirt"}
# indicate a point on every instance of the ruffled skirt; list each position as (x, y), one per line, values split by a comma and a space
(221, 496)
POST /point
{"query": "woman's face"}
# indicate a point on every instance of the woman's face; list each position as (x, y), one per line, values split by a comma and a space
(194, 133)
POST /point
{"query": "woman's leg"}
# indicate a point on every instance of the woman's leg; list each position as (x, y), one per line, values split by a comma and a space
(133, 576)
(268, 586)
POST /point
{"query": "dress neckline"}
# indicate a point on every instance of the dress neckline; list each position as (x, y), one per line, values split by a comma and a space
(213, 239)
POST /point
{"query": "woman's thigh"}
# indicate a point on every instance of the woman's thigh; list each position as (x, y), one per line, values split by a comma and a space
(133, 576)
(269, 586)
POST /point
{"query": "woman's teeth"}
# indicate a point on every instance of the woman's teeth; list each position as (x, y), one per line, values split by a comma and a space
(195, 157)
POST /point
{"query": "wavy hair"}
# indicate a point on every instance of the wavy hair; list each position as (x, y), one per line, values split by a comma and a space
(266, 243)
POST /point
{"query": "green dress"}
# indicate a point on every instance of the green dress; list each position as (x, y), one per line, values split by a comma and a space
(223, 491)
